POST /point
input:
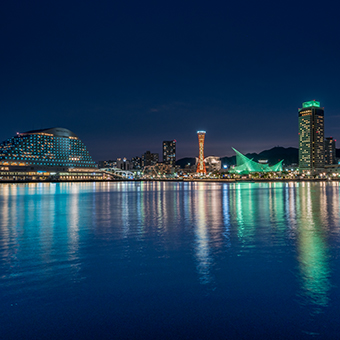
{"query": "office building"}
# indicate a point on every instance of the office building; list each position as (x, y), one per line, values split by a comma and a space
(124, 164)
(311, 137)
(330, 152)
(136, 162)
(169, 152)
(149, 158)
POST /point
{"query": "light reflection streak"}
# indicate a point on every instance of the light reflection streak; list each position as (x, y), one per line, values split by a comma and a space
(226, 214)
(215, 216)
(161, 209)
(291, 207)
(245, 212)
(124, 210)
(203, 255)
(140, 209)
(5, 238)
(333, 206)
(239, 211)
(46, 223)
(187, 202)
(313, 254)
(278, 220)
(73, 223)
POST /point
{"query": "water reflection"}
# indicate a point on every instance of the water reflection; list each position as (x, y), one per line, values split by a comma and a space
(268, 213)
(313, 252)
(226, 215)
(203, 255)
(73, 215)
(55, 225)
(38, 229)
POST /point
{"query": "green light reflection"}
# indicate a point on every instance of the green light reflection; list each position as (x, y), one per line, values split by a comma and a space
(313, 253)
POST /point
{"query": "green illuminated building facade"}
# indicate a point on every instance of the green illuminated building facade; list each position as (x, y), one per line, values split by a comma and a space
(311, 137)
(245, 166)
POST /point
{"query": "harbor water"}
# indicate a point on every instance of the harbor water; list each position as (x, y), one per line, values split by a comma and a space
(170, 260)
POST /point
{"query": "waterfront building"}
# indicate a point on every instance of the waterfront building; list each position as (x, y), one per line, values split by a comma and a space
(53, 149)
(159, 170)
(212, 163)
(311, 137)
(169, 152)
(330, 151)
(245, 165)
(149, 158)
(200, 164)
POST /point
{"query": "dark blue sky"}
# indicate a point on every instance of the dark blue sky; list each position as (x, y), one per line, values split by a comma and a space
(124, 76)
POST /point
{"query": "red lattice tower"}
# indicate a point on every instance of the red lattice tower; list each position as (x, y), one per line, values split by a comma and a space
(201, 165)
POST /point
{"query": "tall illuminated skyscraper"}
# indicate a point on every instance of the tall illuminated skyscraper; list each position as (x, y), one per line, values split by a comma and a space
(201, 165)
(311, 137)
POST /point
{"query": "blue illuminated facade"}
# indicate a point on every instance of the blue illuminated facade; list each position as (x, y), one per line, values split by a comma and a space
(55, 149)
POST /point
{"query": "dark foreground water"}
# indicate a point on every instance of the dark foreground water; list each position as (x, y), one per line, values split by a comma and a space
(169, 261)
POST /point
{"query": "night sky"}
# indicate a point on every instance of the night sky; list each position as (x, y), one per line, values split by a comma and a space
(124, 76)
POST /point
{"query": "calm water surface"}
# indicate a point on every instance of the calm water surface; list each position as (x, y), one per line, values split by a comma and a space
(169, 260)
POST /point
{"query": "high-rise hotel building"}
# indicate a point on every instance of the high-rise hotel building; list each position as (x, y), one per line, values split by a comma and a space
(311, 137)
(54, 149)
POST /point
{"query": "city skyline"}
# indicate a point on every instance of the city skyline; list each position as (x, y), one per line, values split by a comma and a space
(305, 106)
(125, 77)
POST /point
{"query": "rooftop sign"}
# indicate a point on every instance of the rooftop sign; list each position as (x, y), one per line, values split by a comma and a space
(311, 104)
